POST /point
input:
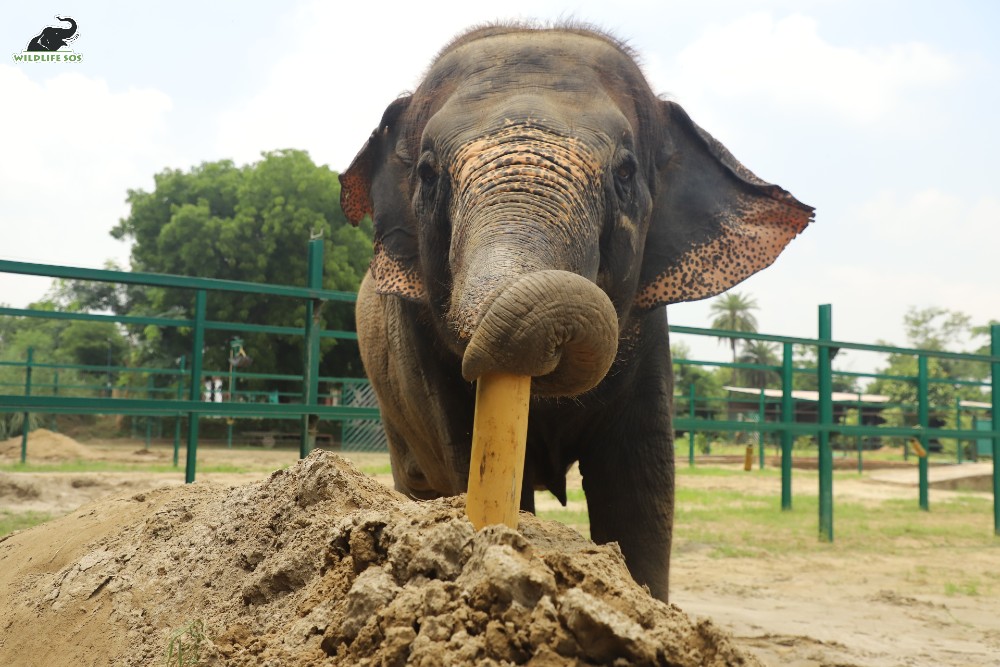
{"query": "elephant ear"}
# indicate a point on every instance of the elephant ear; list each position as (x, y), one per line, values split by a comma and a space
(714, 222)
(377, 184)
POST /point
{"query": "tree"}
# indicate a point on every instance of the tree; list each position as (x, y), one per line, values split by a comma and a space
(707, 384)
(249, 223)
(806, 358)
(934, 329)
(733, 311)
(760, 353)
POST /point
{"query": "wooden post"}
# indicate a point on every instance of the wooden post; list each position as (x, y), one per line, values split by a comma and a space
(499, 434)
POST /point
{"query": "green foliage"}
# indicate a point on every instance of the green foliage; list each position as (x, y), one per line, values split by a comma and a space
(184, 645)
(54, 341)
(761, 353)
(806, 358)
(707, 383)
(733, 311)
(249, 223)
(939, 330)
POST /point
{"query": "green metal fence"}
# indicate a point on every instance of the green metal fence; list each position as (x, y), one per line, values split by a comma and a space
(181, 396)
(788, 427)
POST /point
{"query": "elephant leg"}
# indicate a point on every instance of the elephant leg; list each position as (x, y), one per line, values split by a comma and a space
(628, 473)
(630, 500)
(426, 417)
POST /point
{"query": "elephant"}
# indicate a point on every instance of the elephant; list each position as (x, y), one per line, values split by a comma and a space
(52, 38)
(535, 208)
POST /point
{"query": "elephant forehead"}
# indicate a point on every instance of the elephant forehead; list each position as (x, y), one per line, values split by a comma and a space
(539, 153)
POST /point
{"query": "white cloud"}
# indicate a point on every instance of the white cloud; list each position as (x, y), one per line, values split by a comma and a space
(71, 148)
(970, 228)
(329, 93)
(907, 220)
(789, 64)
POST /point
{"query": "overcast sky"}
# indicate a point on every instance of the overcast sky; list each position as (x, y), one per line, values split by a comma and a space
(881, 114)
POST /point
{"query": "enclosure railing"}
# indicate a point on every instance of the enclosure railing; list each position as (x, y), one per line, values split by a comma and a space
(787, 426)
(193, 406)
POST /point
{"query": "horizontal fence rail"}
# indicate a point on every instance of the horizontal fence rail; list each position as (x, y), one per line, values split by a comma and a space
(181, 391)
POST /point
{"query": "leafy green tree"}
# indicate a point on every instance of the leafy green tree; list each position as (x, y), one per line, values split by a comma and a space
(806, 358)
(733, 311)
(761, 353)
(249, 223)
(935, 329)
(707, 384)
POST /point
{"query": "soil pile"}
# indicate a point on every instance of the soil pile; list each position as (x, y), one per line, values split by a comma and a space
(45, 445)
(321, 565)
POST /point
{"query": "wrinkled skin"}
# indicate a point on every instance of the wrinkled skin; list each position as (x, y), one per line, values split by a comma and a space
(52, 38)
(535, 207)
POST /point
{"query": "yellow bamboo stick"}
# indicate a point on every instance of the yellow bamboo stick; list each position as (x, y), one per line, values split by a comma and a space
(499, 434)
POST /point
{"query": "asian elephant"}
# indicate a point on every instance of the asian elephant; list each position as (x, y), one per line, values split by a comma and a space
(52, 38)
(535, 207)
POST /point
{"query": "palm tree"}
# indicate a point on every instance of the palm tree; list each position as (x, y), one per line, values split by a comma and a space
(760, 353)
(733, 312)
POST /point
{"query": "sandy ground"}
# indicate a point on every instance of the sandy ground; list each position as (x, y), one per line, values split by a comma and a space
(827, 610)
(803, 611)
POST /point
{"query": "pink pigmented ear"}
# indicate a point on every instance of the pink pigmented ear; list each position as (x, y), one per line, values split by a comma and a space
(377, 184)
(355, 185)
(714, 222)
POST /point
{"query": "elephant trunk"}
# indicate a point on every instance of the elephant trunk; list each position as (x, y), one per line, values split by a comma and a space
(525, 226)
(66, 33)
(555, 326)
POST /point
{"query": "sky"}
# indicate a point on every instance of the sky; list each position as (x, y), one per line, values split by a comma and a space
(879, 113)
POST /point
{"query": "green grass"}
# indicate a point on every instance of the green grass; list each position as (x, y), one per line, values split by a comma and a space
(11, 521)
(969, 588)
(377, 469)
(737, 524)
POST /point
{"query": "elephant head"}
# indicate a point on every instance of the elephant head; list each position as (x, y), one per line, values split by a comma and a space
(52, 38)
(537, 196)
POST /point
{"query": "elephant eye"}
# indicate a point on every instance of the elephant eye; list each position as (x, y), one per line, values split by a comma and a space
(625, 177)
(427, 169)
(626, 169)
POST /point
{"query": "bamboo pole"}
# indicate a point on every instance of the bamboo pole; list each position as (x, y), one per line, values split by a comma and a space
(499, 434)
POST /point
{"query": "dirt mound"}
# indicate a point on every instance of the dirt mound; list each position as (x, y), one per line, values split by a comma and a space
(17, 489)
(45, 445)
(321, 565)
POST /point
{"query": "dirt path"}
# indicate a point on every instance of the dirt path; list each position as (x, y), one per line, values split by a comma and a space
(820, 609)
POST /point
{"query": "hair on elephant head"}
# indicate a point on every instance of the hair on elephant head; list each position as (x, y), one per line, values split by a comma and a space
(535, 205)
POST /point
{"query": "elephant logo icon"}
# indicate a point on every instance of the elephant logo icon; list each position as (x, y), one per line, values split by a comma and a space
(53, 38)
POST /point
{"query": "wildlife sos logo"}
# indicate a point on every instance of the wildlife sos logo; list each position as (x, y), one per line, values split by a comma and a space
(51, 44)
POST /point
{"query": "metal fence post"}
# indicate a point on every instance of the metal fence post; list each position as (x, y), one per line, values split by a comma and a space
(788, 418)
(958, 425)
(825, 376)
(995, 392)
(859, 441)
(55, 392)
(310, 375)
(195, 393)
(691, 414)
(177, 417)
(923, 417)
(761, 415)
(150, 382)
(26, 423)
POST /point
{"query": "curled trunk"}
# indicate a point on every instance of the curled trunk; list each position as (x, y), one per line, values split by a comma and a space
(555, 326)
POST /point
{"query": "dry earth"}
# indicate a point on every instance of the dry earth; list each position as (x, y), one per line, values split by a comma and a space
(318, 564)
